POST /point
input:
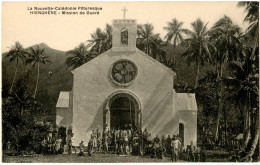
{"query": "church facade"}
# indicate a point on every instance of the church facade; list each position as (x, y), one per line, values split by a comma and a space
(125, 88)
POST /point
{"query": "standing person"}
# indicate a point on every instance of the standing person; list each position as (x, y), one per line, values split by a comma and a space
(168, 146)
(175, 143)
(99, 143)
(105, 142)
(116, 137)
(8, 146)
(73, 143)
(109, 138)
(126, 142)
(135, 150)
(141, 143)
(160, 152)
(43, 146)
(156, 141)
(121, 142)
(144, 136)
(163, 141)
(69, 133)
(49, 144)
(58, 145)
(94, 139)
(90, 147)
(98, 134)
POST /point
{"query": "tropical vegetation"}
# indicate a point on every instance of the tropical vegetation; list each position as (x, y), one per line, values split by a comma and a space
(225, 61)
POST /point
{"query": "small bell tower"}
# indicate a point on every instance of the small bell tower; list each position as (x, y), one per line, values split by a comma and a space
(124, 34)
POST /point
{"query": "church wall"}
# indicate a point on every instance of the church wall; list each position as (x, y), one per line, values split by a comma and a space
(153, 87)
(61, 116)
(70, 112)
(189, 119)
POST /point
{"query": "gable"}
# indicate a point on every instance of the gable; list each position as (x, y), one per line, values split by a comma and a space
(63, 100)
(127, 55)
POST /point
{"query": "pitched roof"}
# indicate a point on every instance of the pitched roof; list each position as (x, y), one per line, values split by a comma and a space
(63, 101)
(138, 51)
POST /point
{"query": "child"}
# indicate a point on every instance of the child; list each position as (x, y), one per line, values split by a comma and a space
(81, 148)
(90, 147)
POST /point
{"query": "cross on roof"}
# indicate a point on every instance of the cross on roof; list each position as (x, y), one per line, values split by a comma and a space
(124, 10)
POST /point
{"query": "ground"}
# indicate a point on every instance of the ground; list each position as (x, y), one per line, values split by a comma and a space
(98, 158)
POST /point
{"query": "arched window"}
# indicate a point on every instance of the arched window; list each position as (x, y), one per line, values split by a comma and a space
(124, 36)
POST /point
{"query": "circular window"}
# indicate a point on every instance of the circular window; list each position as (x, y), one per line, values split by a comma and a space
(124, 71)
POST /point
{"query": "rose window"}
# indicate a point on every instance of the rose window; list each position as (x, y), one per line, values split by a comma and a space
(123, 71)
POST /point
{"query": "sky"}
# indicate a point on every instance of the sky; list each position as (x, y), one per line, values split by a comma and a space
(65, 32)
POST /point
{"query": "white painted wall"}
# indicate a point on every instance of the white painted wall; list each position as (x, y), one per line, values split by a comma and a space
(153, 86)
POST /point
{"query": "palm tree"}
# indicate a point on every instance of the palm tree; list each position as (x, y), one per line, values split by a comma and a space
(20, 96)
(174, 33)
(100, 40)
(16, 54)
(252, 8)
(147, 41)
(243, 85)
(35, 57)
(80, 56)
(225, 36)
(107, 41)
(198, 50)
(96, 41)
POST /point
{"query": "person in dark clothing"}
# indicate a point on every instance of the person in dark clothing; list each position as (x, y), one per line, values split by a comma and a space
(105, 142)
(90, 147)
(120, 143)
(160, 152)
(203, 156)
(43, 146)
(156, 141)
(168, 141)
(81, 148)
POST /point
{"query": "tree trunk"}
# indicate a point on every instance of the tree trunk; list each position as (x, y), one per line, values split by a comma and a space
(255, 41)
(197, 76)
(255, 139)
(246, 134)
(174, 48)
(219, 96)
(225, 121)
(38, 65)
(21, 110)
(11, 89)
(218, 117)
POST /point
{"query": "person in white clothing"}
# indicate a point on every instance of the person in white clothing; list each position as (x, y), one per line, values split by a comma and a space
(175, 144)
(73, 143)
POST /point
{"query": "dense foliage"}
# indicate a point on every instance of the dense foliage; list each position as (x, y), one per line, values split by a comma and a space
(224, 60)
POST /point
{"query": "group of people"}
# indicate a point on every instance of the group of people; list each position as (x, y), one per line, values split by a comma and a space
(53, 143)
(119, 141)
(141, 143)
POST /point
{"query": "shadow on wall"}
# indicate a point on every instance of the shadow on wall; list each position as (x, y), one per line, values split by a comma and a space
(158, 116)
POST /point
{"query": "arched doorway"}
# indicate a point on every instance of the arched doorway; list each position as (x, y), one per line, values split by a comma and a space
(122, 111)
(181, 132)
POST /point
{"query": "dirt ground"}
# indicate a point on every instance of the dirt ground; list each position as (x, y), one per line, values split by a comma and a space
(98, 158)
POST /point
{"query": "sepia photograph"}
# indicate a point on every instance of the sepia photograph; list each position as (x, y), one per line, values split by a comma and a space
(130, 82)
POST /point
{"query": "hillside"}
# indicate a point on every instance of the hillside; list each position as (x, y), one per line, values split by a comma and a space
(56, 77)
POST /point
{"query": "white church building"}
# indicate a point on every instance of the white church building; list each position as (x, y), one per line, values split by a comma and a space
(123, 88)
